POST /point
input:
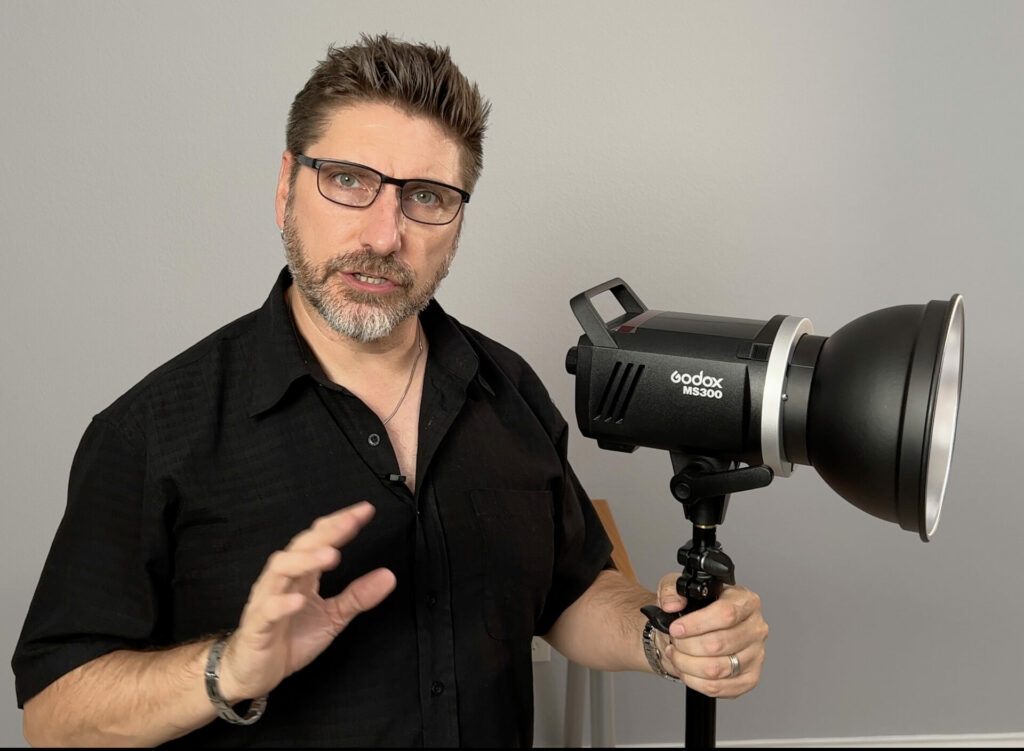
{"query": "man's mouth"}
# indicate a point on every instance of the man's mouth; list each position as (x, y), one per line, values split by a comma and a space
(369, 279)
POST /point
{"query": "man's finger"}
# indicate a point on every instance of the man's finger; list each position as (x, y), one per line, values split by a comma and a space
(285, 567)
(366, 592)
(734, 605)
(669, 599)
(334, 529)
(713, 676)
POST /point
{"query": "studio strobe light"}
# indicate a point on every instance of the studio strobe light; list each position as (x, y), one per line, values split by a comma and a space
(873, 408)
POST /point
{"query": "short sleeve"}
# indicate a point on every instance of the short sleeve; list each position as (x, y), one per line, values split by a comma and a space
(98, 590)
(583, 548)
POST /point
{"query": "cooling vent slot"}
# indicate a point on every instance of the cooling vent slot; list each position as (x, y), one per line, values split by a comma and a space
(619, 391)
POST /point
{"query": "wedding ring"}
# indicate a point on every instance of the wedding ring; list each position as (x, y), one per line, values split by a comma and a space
(735, 662)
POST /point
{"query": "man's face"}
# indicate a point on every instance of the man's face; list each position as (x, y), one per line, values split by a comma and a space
(365, 270)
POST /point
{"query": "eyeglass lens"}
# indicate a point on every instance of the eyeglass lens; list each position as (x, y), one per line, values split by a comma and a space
(422, 200)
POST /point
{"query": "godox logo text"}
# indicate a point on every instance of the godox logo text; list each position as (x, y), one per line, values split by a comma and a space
(698, 384)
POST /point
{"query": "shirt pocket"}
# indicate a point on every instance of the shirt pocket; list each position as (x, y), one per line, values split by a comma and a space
(518, 541)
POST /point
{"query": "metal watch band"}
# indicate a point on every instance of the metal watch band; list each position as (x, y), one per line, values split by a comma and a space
(654, 654)
(224, 711)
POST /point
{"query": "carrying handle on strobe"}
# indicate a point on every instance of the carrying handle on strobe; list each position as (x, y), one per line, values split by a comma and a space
(593, 324)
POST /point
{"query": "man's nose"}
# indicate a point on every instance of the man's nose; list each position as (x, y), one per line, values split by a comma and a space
(383, 221)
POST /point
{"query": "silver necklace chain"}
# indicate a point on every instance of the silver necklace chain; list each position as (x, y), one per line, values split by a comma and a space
(412, 372)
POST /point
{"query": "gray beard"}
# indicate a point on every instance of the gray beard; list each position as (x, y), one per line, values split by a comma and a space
(362, 317)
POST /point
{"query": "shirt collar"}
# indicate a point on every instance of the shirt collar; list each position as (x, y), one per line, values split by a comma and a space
(280, 357)
(277, 359)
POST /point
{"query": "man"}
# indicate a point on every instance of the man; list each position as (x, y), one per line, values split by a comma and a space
(341, 519)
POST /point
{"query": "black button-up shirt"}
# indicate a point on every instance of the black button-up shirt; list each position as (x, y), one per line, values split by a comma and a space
(183, 487)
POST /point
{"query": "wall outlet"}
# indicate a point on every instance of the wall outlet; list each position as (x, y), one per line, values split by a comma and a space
(541, 650)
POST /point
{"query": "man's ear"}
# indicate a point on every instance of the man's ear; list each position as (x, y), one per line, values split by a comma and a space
(283, 186)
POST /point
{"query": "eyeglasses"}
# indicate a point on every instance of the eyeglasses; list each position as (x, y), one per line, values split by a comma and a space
(355, 185)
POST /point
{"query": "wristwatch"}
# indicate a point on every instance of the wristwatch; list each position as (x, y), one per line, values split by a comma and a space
(212, 679)
(654, 654)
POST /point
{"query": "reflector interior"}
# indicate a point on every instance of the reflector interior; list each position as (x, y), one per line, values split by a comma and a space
(944, 414)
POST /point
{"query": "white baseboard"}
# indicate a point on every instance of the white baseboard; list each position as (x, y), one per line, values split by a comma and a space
(977, 740)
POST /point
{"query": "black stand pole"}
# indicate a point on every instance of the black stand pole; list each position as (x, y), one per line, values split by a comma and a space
(703, 485)
(700, 709)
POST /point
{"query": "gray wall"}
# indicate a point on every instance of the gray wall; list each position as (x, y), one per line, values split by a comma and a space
(821, 159)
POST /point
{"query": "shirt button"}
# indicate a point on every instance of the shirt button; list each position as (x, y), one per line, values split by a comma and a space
(373, 439)
(437, 688)
(432, 601)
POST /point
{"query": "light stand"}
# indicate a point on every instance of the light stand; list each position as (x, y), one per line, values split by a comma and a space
(703, 485)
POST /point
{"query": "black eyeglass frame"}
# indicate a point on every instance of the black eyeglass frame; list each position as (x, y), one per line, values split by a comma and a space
(315, 164)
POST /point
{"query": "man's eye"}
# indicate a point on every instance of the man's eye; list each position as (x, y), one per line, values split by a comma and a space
(425, 197)
(345, 180)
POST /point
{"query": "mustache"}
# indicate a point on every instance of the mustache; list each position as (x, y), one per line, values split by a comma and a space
(369, 263)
